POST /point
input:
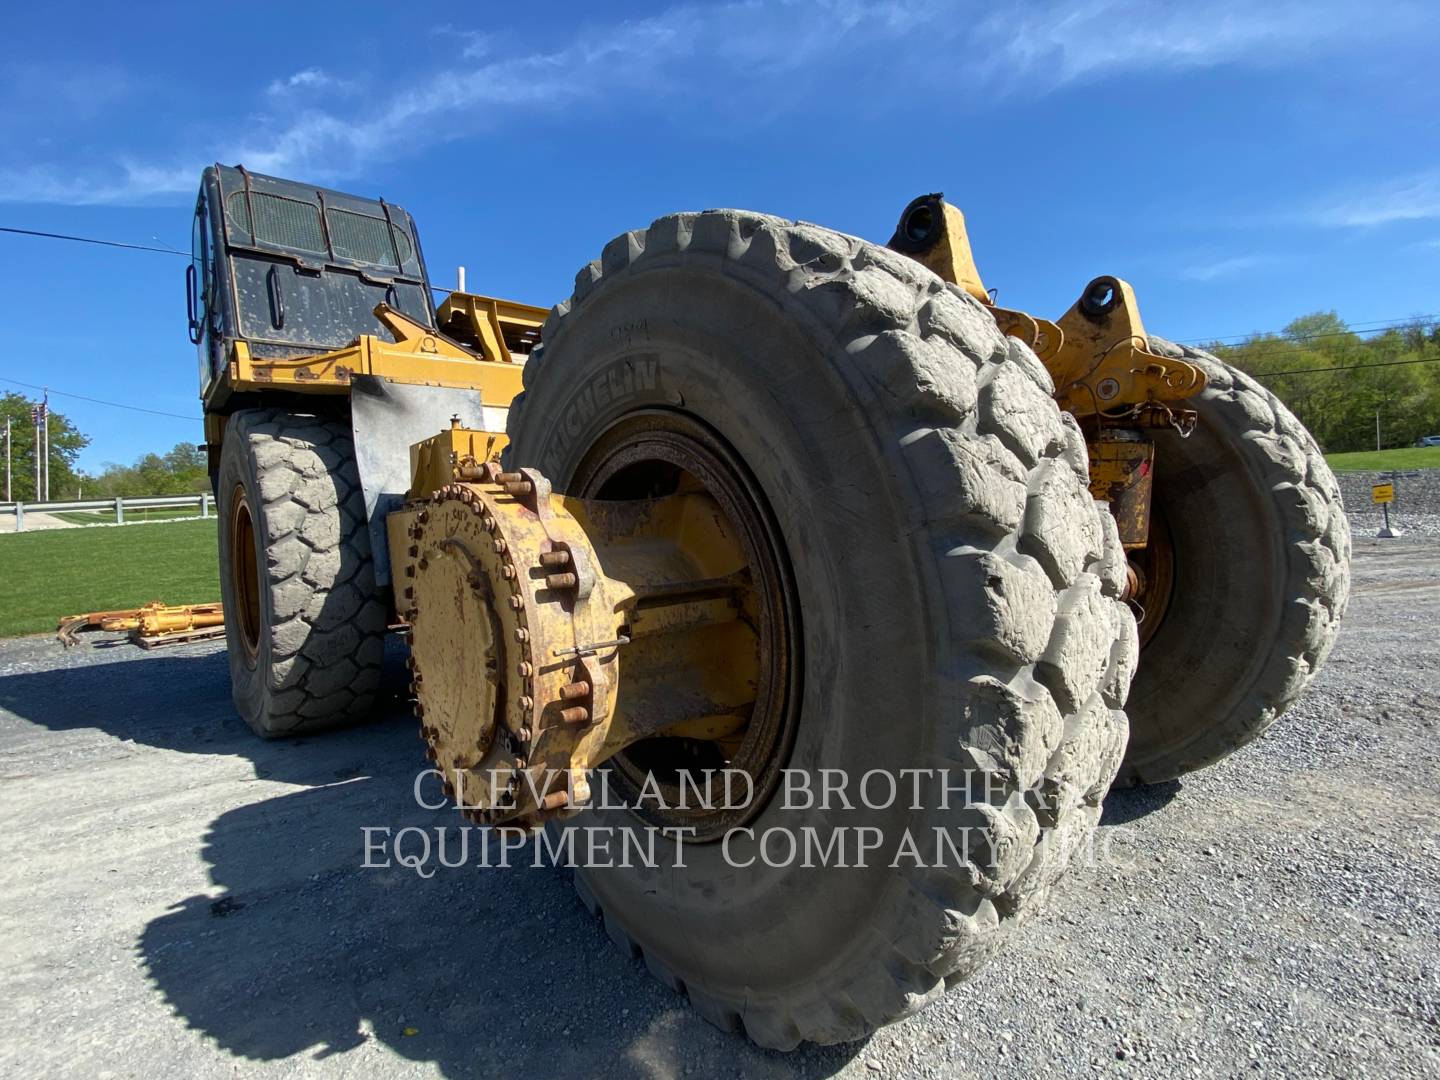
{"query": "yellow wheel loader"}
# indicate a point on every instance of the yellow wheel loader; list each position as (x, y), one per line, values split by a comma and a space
(776, 504)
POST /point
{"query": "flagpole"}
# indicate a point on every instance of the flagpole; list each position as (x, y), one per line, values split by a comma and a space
(45, 415)
(35, 415)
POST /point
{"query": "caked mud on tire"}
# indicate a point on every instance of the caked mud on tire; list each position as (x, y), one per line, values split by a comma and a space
(304, 623)
(957, 589)
(1261, 576)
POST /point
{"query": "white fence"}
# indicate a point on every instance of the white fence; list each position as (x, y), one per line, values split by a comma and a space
(118, 505)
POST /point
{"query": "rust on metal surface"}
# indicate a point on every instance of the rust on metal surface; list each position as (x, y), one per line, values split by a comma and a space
(1122, 465)
(517, 670)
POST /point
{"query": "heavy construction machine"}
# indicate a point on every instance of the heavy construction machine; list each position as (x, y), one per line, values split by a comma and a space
(763, 498)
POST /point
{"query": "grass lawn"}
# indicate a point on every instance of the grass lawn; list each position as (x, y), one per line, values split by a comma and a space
(1409, 457)
(44, 575)
(107, 517)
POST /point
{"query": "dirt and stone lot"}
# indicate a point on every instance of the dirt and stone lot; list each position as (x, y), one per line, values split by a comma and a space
(178, 898)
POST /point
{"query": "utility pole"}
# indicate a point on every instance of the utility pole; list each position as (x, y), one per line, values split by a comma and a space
(8, 496)
(1377, 427)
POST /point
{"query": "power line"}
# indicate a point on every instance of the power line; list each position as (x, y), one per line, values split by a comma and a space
(1343, 367)
(92, 240)
(99, 401)
(1377, 326)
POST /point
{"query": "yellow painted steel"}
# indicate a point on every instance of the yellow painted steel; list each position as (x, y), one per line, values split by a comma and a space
(1104, 364)
(949, 255)
(1097, 352)
(455, 454)
(1122, 474)
(420, 357)
(154, 623)
(486, 323)
(527, 608)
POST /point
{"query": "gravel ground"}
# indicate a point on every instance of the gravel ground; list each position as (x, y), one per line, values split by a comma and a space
(1415, 511)
(182, 899)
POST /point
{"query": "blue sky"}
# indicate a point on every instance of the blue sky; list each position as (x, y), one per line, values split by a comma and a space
(1241, 163)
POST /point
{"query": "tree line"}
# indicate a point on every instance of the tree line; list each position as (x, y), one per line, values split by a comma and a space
(1339, 406)
(180, 471)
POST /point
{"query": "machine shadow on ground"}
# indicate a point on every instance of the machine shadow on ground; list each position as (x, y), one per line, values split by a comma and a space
(180, 700)
(301, 950)
(493, 971)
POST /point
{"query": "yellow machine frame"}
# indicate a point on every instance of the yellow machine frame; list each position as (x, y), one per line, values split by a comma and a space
(419, 356)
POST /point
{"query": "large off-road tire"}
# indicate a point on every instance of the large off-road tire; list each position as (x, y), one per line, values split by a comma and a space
(956, 588)
(1259, 578)
(303, 621)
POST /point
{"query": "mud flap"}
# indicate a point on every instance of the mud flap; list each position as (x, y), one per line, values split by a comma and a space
(386, 418)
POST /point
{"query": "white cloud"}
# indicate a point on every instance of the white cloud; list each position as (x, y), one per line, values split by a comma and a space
(308, 80)
(1222, 268)
(753, 48)
(1409, 198)
(1059, 43)
(126, 184)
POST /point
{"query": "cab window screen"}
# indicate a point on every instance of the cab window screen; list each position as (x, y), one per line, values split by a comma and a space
(364, 239)
(286, 222)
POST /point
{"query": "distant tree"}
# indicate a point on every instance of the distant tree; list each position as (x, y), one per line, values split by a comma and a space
(1336, 381)
(66, 442)
(181, 471)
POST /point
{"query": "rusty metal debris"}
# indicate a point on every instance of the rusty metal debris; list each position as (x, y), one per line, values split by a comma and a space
(152, 626)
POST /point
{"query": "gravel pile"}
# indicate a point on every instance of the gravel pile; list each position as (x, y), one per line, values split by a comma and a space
(1415, 511)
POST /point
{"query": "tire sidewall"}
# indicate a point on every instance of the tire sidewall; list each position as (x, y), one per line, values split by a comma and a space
(786, 408)
(248, 683)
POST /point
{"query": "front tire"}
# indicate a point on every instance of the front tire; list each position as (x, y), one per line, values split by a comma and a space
(304, 623)
(957, 590)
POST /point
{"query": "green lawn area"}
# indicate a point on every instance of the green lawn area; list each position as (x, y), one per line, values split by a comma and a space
(1409, 457)
(55, 572)
(151, 513)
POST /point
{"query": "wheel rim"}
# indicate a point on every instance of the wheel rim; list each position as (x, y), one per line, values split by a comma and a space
(244, 576)
(655, 453)
(1154, 570)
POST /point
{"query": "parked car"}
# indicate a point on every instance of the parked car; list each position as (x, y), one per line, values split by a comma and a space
(1428, 440)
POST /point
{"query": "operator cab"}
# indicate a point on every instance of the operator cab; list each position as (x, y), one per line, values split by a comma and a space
(294, 270)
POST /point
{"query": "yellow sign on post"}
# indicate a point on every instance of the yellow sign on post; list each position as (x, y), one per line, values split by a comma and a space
(1382, 493)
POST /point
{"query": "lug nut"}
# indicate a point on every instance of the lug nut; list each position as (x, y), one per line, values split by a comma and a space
(576, 714)
(561, 581)
(499, 546)
(516, 603)
(574, 690)
(526, 703)
(507, 572)
(413, 551)
(522, 635)
(525, 669)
